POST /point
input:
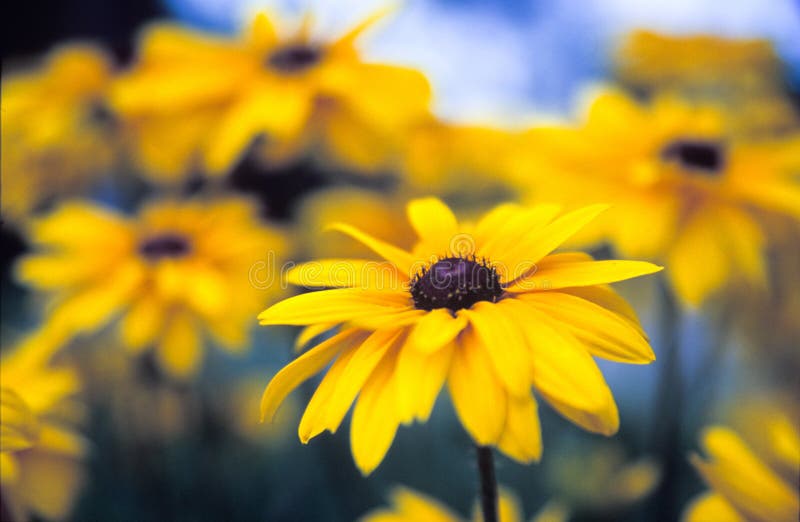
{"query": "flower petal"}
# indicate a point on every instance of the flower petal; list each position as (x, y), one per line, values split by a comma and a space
(434, 223)
(419, 378)
(181, 348)
(399, 257)
(374, 419)
(582, 273)
(302, 368)
(480, 400)
(346, 273)
(435, 329)
(605, 333)
(334, 306)
(522, 437)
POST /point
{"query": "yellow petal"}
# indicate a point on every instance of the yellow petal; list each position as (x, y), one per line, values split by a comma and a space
(531, 248)
(346, 273)
(606, 297)
(19, 428)
(374, 420)
(404, 261)
(582, 273)
(564, 373)
(334, 306)
(522, 437)
(516, 224)
(605, 333)
(419, 378)
(711, 507)
(309, 333)
(142, 324)
(504, 344)
(303, 368)
(48, 484)
(436, 329)
(478, 397)
(366, 358)
(434, 223)
(180, 350)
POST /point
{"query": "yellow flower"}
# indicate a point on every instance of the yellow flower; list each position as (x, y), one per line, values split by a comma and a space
(41, 468)
(410, 506)
(176, 271)
(297, 94)
(744, 487)
(56, 136)
(682, 192)
(487, 309)
(450, 158)
(746, 75)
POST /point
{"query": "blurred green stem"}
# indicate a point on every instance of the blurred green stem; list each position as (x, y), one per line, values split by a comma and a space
(488, 483)
(669, 403)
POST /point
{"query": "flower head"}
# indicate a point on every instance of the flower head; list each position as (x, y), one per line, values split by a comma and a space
(175, 271)
(287, 95)
(40, 454)
(683, 190)
(486, 309)
(56, 128)
(745, 487)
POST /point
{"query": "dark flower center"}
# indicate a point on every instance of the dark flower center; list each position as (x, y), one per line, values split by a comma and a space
(294, 58)
(455, 283)
(164, 245)
(704, 156)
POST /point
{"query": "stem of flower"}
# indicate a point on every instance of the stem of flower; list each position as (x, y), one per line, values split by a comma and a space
(488, 483)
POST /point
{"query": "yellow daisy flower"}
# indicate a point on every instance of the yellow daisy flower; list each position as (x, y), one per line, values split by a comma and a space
(298, 94)
(57, 135)
(410, 506)
(746, 75)
(681, 190)
(175, 271)
(488, 309)
(41, 468)
(744, 487)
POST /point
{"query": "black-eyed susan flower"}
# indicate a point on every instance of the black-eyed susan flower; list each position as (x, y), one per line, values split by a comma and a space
(682, 190)
(744, 74)
(294, 94)
(411, 506)
(746, 487)
(41, 454)
(487, 309)
(175, 272)
(57, 132)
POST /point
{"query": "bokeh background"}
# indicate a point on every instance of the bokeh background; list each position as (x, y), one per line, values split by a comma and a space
(161, 449)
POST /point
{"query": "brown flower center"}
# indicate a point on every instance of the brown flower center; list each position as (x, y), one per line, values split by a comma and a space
(455, 283)
(166, 245)
(294, 58)
(702, 156)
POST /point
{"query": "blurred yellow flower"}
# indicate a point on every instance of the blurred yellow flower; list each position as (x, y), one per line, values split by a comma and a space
(744, 487)
(410, 506)
(599, 480)
(681, 191)
(746, 75)
(288, 95)
(56, 131)
(468, 160)
(41, 468)
(487, 309)
(176, 271)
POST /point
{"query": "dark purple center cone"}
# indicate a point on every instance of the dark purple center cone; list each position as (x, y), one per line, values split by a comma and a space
(294, 58)
(164, 245)
(455, 283)
(703, 156)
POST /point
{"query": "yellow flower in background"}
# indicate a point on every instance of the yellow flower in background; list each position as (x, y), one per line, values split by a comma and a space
(41, 468)
(56, 133)
(175, 272)
(599, 480)
(290, 95)
(460, 159)
(682, 192)
(743, 486)
(745, 75)
(488, 309)
(410, 506)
